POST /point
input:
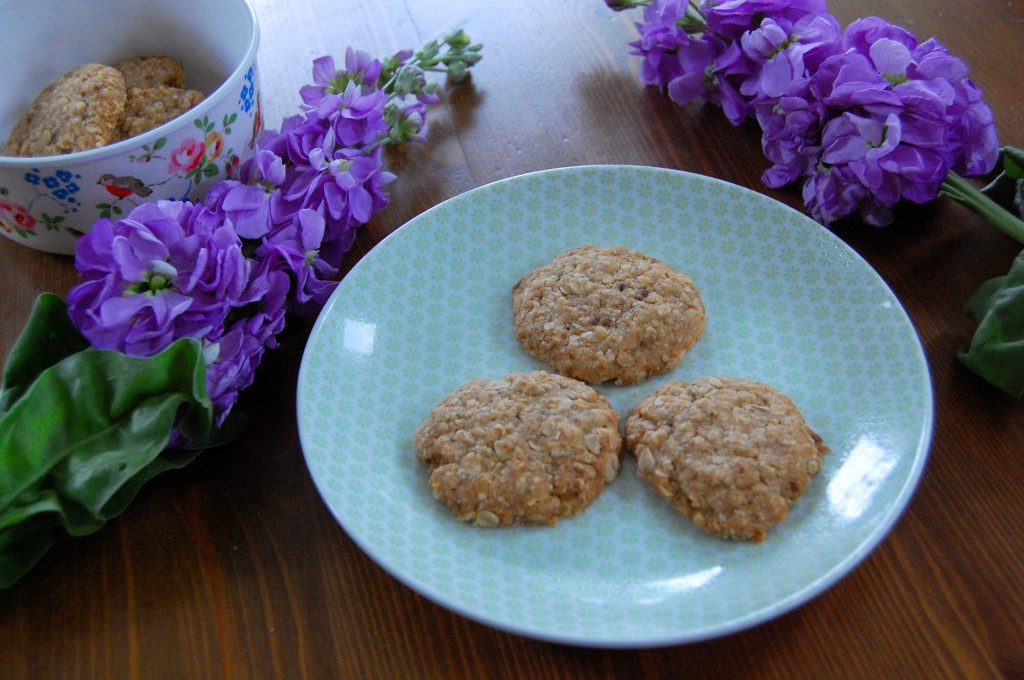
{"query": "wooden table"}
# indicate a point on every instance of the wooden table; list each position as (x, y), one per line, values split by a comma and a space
(234, 568)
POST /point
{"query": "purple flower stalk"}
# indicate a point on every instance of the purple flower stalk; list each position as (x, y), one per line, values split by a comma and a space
(225, 272)
(865, 117)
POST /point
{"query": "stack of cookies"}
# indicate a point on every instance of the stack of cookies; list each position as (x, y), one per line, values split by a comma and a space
(731, 454)
(93, 105)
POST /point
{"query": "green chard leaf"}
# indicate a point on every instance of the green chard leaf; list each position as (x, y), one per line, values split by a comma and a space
(48, 337)
(996, 352)
(80, 434)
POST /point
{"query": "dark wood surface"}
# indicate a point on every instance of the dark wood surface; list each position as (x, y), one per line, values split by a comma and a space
(234, 568)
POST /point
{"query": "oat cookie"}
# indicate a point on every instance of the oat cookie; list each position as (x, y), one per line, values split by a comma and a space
(527, 449)
(149, 107)
(77, 112)
(731, 454)
(151, 71)
(597, 314)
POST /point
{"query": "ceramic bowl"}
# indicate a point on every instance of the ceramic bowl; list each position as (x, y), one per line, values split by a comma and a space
(48, 202)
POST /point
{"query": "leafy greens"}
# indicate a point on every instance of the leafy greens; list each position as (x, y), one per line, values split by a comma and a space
(81, 430)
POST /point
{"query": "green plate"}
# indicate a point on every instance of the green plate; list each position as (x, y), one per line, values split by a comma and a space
(787, 303)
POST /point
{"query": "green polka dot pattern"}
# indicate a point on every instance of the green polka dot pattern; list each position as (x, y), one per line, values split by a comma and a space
(787, 304)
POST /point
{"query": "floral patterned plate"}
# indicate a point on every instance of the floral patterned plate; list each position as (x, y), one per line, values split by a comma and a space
(787, 303)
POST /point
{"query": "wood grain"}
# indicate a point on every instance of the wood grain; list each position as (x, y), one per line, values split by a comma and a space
(234, 568)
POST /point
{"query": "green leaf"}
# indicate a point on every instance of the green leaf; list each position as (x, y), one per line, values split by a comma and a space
(1013, 162)
(52, 222)
(48, 337)
(86, 434)
(1007, 189)
(996, 352)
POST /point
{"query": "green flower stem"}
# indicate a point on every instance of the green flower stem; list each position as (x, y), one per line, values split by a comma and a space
(962, 191)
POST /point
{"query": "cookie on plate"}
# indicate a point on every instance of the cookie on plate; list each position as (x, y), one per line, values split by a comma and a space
(151, 71)
(596, 314)
(148, 107)
(77, 112)
(529, 448)
(731, 454)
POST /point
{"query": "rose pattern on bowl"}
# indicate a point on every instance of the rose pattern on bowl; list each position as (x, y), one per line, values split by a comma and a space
(196, 160)
(15, 219)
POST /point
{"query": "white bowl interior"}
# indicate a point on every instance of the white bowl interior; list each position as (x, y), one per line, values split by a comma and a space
(43, 39)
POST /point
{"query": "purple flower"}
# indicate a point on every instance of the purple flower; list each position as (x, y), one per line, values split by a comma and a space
(730, 19)
(280, 142)
(862, 144)
(249, 202)
(784, 54)
(348, 103)
(250, 331)
(360, 68)
(791, 136)
(708, 65)
(355, 115)
(661, 35)
(345, 186)
(850, 80)
(318, 178)
(294, 250)
(832, 193)
(867, 116)
(863, 33)
(363, 68)
(905, 116)
(970, 124)
(169, 270)
(324, 79)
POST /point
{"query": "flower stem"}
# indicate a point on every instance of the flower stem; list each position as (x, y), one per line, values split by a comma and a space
(962, 191)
